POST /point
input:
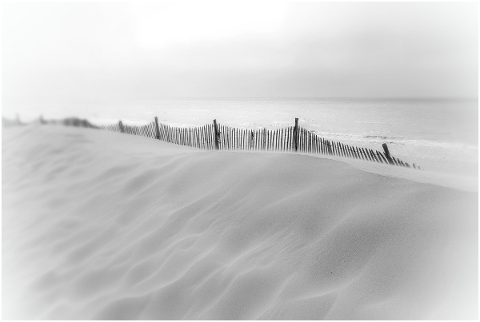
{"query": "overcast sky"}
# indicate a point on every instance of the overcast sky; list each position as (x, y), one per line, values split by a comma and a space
(57, 51)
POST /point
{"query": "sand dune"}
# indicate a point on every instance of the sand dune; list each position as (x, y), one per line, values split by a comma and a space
(101, 225)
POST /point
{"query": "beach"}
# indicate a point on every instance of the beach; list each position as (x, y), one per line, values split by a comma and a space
(105, 225)
(440, 135)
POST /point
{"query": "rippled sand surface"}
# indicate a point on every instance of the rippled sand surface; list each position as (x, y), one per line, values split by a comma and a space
(101, 225)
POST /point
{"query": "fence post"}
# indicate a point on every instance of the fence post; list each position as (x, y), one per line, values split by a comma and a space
(217, 135)
(295, 134)
(387, 153)
(264, 143)
(120, 125)
(156, 126)
(251, 140)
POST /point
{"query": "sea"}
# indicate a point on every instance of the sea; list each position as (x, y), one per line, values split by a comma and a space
(440, 135)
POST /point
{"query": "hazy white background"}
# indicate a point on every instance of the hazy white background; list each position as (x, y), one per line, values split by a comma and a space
(93, 51)
(414, 65)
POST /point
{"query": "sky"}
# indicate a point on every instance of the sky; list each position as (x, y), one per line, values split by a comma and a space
(94, 51)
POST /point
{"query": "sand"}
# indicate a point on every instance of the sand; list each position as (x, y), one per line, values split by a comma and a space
(102, 225)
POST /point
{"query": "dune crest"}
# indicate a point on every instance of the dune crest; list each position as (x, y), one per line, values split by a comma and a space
(100, 225)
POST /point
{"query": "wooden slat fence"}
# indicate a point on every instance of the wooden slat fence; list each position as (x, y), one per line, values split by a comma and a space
(221, 137)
